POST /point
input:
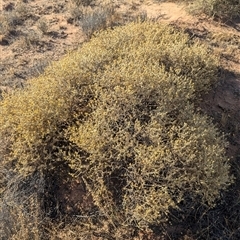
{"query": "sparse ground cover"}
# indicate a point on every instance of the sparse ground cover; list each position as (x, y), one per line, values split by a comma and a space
(40, 204)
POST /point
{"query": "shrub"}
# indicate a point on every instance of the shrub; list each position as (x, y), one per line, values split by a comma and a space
(82, 2)
(120, 112)
(226, 9)
(222, 8)
(92, 19)
(96, 19)
(76, 11)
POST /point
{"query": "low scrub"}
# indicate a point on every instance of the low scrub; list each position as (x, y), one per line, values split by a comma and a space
(225, 9)
(119, 112)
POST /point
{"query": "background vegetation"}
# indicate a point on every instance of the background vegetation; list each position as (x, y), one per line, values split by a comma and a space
(225, 9)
